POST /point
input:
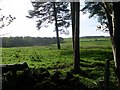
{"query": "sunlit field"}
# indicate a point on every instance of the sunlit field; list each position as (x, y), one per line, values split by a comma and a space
(93, 53)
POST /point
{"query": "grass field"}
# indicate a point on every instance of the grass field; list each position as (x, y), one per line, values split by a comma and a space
(93, 53)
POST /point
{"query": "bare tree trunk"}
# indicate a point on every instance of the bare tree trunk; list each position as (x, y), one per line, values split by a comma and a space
(76, 37)
(73, 20)
(116, 37)
(56, 26)
(114, 31)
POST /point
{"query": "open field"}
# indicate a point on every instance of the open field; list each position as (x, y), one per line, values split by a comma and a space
(93, 53)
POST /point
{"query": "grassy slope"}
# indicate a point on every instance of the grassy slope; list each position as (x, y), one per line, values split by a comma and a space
(93, 54)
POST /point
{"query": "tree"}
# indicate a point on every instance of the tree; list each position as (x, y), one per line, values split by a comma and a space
(108, 15)
(75, 6)
(73, 20)
(116, 38)
(5, 20)
(44, 11)
(56, 25)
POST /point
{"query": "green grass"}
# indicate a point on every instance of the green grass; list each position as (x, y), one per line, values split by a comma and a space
(93, 53)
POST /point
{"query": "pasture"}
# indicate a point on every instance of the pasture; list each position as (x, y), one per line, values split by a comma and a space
(93, 53)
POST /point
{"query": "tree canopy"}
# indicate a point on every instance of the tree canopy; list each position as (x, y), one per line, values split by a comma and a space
(98, 10)
(43, 12)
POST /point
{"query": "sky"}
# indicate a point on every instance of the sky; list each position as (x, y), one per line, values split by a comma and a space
(23, 26)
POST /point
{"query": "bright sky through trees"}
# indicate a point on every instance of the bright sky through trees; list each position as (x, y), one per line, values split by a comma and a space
(23, 26)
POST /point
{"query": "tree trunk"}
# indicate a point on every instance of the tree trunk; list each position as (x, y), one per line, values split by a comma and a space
(56, 26)
(73, 20)
(76, 38)
(114, 31)
(116, 38)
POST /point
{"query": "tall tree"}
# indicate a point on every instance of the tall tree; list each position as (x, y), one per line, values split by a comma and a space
(75, 6)
(44, 11)
(108, 15)
(73, 20)
(56, 26)
(116, 37)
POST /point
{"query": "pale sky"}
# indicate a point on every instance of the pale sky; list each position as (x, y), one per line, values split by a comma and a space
(23, 26)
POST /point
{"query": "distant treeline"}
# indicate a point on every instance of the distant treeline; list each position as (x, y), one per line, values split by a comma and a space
(95, 37)
(28, 41)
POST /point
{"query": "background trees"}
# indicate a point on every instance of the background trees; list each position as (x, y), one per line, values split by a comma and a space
(28, 41)
(48, 12)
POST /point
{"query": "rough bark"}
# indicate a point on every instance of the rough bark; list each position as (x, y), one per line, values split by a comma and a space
(56, 26)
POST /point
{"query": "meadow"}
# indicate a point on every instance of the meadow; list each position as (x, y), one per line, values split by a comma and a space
(93, 53)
